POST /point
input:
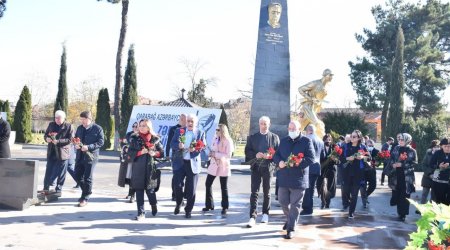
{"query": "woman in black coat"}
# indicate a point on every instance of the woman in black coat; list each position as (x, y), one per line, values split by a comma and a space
(145, 146)
(126, 165)
(354, 159)
(5, 130)
(400, 171)
(326, 183)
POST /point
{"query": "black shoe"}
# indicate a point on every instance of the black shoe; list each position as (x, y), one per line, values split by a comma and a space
(327, 206)
(305, 213)
(418, 212)
(154, 210)
(351, 216)
(401, 218)
(224, 211)
(188, 215)
(285, 226)
(288, 235)
(76, 186)
(177, 210)
(206, 209)
(365, 206)
(131, 199)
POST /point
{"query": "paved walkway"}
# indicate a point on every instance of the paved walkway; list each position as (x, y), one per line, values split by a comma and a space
(106, 223)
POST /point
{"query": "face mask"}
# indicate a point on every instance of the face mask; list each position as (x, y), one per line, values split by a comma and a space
(293, 134)
(370, 148)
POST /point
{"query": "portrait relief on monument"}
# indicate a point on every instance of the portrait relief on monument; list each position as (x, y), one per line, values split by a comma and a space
(274, 15)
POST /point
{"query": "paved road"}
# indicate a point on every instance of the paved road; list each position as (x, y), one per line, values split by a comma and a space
(107, 220)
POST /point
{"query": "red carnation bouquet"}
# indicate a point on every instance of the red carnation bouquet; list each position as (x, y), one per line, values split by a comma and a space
(52, 135)
(77, 142)
(197, 145)
(381, 157)
(337, 151)
(182, 138)
(269, 154)
(294, 160)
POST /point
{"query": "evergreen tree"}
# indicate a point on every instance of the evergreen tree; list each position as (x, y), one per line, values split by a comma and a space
(396, 112)
(62, 101)
(344, 123)
(1, 106)
(223, 117)
(103, 117)
(7, 109)
(22, 117)
(129, 95)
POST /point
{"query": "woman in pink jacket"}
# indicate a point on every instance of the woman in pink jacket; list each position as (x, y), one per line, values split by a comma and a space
(220, 154)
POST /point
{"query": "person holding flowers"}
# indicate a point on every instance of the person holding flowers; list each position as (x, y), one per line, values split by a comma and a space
(370, 173)
(353, 159)
(58, 136)
(293, 158)
(220, 154)
(144, 147)
(428, 171)
(326, 183)
(262, 167)
(186, 144)
(441, 176)
(88, 140)
(400, 172)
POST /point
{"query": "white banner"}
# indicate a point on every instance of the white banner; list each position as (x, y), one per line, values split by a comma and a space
(164, 117)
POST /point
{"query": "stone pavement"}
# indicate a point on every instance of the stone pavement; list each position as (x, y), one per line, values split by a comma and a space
(106, 222)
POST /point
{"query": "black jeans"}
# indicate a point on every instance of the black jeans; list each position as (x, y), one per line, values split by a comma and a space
(84, 172)
(55, 170)
(307, 204)
(191, 185)
(400, 195)
(151, 195)
(350, 193)
(259, 174)
(209, 201)
(369, 185)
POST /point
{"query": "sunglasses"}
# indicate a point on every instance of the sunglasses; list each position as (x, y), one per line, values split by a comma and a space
(355, 137)
(135, 126)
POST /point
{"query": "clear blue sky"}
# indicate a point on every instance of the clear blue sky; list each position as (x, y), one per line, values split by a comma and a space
(221, 33)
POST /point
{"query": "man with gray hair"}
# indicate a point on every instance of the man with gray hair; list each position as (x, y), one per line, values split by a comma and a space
(293, 177)
(58, 136)
(314, 170)
(262, 167)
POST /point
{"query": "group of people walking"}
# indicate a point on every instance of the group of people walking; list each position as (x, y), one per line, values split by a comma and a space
(300, 161)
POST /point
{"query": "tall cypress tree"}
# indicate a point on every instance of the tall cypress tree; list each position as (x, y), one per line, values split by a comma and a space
(1, 106)
(223, 116)
(396, 114)
(62, 102)
(22, 117)
(7, 109)
(129, 95)
(103, 117)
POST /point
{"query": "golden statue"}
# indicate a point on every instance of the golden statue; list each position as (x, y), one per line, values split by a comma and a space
(274, 15)
(313, 94)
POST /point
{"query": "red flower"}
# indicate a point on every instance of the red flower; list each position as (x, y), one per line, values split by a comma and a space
(270, 153)
(52, 135)
(148, 145)
(182, 131)
(337, 151)
(197, 145)
(182, 138)
(294, 160)
(403, 156)
(77, 141)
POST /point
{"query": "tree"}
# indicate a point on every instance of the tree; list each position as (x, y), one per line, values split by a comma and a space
(396, 112)
(103, 117)
(62, 101)
(223, 116)
(344, 123)
(117, 89)
(84, 98)
(22, 117)
(129, 95)
(2, 7)
(371, 74)
(198, 94)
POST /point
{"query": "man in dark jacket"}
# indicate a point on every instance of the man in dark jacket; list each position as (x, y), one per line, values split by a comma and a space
(181, 124)
(293, 179)
(91, 140)
(314, 170)
(262, 168)
(58, 136)
(370, 175)
(5, 130)
(386, 146)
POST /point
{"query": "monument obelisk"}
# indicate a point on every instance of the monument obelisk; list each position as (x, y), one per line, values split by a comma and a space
(271, 84)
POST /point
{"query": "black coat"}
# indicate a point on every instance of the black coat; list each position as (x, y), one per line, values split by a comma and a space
(93, 138)
(64, 137)
(144, 174)
(5, 130)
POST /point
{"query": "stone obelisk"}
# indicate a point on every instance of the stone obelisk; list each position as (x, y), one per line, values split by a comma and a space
(271, 85)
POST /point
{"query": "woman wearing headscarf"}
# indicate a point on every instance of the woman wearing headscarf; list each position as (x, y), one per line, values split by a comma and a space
(401, 174)
(145, 146)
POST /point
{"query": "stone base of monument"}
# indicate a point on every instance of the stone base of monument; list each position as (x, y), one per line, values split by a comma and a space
(18, 183)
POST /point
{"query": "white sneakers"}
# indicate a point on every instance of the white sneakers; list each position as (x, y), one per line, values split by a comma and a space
(251, 222)
(265, 218)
